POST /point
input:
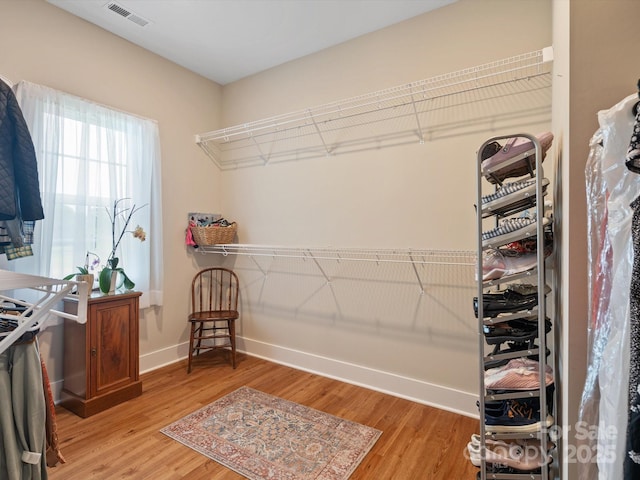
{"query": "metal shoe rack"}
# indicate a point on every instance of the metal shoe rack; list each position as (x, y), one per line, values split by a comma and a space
(487, 219)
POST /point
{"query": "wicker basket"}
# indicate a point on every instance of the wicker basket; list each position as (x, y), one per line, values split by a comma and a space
(204, 236)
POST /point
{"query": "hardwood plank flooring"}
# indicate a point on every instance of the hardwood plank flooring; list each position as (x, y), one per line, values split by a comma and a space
(418, 442)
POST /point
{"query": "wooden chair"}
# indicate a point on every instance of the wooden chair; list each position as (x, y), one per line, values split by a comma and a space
(214, 310)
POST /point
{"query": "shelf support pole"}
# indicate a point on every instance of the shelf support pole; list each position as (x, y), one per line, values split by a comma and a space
(261, 154)
(315, 260)
(258, 265)
(313, 120)
(326, 277)
(415, 270)
(415, 113)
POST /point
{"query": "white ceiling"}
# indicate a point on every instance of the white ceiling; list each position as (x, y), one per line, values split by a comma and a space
(226, 40)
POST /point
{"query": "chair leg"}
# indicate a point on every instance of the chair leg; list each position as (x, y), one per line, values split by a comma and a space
(232, 334)
(191, 335)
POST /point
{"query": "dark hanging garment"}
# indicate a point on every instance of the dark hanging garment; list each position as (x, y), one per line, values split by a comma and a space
(632, 457)
(19, 187)
(633, 153)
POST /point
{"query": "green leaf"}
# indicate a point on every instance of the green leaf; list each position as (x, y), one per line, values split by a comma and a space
(105, 280)
(81, 271)
(128, 284)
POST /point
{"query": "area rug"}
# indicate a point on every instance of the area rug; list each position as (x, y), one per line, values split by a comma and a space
(265, 437)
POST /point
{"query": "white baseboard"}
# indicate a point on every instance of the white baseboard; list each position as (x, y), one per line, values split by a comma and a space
(444, 398)
(161, 358)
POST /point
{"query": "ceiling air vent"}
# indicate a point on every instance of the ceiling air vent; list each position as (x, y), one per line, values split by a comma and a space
(129, 15)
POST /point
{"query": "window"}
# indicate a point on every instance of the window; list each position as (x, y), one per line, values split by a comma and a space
(89, 156)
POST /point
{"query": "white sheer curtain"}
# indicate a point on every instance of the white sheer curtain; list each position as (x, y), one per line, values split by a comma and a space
(90, 155)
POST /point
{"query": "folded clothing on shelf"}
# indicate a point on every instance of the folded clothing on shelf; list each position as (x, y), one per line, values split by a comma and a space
(515, 159)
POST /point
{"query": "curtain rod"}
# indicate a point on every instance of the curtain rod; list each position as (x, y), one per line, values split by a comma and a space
(93, 102)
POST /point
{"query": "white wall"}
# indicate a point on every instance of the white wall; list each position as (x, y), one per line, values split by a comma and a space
(374, 323)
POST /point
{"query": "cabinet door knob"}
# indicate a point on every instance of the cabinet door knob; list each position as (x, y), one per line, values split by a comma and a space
(93, 352)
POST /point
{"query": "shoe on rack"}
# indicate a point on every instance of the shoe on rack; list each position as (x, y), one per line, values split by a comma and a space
(512, 196)
(492, 407)
(494, 469)
(511, 347)
(521, 455)
(517, 374)
(489, 150)
(516, 158)
(517, 297)
(500, 262)
(516, 416)
(509, 332)
(510, 230)
(476, 441)
(528, 245)
(512, 331)
(513, 258)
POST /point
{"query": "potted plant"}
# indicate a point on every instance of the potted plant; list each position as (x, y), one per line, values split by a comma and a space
(84, 273)
(113, 272)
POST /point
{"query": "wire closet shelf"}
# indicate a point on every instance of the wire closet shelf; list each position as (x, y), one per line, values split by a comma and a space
(376, 255)
(415, 258)
(397, 115)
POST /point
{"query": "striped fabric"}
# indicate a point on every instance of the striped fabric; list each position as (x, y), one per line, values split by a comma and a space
(507, 226)
(507, 189)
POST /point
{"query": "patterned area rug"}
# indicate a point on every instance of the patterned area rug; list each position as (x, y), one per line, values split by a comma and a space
(265, 437)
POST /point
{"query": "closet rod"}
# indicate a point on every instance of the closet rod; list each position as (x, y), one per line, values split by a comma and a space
(410, 256)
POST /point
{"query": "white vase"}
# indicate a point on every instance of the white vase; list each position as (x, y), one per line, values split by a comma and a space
(114, 282)
(88, 278)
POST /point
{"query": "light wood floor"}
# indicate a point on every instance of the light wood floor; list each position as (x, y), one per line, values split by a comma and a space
(418, 442)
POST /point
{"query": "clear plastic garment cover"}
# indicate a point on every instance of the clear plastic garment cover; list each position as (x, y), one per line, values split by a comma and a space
(610, 188)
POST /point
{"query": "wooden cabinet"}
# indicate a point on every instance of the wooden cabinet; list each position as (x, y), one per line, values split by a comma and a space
(101, 367)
